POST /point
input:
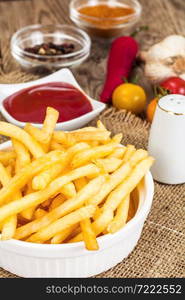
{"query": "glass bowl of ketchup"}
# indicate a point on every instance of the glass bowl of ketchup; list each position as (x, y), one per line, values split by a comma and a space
(50, 47)
(28, 105)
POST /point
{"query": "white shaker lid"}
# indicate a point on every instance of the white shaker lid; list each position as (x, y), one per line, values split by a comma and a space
(173, 103)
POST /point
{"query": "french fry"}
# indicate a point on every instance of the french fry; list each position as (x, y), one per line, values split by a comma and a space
(10, 224)
(29, 212)
(69, 190)
(62, 224)
(57, 201)
(101, 126)
(44, 178)
(62, 236)
(10, 170)
(56, 146)
(36, 133)
(80, 183)
(19, 180)
(9, 228)
(121, 216)
(109, 165)
(6, 156)
(22, 136)
(38, 197)
(70, 138)
(118, 153)
(97, 213)
(123, 190)
(50, 121)
(4, 176)
(41, 181)
(88, 234)
(97, 152)
(130, 149)
(39, 213)
(22, 154)
(46, 204)
(115, 197)
(69, 205)
(117, 138)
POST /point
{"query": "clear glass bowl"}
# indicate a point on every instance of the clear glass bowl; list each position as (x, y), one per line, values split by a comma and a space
(58, 34)
(98, 26)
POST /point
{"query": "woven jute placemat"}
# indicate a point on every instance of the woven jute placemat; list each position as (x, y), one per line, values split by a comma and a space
(160, 251)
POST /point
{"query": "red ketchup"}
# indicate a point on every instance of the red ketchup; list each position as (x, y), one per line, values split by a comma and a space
(29, 105)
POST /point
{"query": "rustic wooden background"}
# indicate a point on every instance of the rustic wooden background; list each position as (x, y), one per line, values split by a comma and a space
(163, 17)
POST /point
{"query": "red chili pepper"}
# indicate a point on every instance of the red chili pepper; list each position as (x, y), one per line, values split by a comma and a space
(121, 57)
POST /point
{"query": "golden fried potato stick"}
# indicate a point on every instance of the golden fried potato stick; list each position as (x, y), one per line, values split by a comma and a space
(62, 236)
(87, 192)
(56, 146)
(114, 199)
(6, 156)
(39, 213)
(41, 180)
(118, 176)
(22, 136)
(21, 179)
(44, 178)
(97, 213)
(29, 212)
(46, 204)
(50, 122)
(109, 165)
(101, 126)
(120, 217)
(62, 224)
(70, 138)
(4, 176)
(130, 149)
(37, 134)
(57, 201)
(97, 152)
(38, 197)
(88, 234)
(10, 224)
(80, 183)
(22, 154)
(10, 169)
(69, 190)
(44, 135)
(118, 153)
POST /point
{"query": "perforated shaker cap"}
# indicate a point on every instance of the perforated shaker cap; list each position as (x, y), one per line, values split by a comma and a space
(174, 104)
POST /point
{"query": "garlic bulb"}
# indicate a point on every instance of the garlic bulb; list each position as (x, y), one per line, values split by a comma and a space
(165, 59)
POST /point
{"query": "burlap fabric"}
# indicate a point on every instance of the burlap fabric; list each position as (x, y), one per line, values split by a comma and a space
(161, 249)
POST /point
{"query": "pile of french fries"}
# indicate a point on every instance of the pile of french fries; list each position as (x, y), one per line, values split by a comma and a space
(64, 187)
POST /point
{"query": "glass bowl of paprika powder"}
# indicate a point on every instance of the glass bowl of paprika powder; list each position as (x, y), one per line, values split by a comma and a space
(105, 18)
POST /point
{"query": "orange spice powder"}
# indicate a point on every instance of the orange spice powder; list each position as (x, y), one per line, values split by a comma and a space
(105, 14)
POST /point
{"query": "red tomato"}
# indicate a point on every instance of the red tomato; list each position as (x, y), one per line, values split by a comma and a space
(174, 85)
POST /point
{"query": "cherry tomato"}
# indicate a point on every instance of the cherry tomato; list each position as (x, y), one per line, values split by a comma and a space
(151, 109)
(129, 96)
(174, 85)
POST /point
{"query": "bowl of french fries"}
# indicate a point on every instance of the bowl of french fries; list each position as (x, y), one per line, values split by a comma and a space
(72, 204)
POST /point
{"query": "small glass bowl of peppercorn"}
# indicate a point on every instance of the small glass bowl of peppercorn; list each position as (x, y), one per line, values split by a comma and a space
(50, 47)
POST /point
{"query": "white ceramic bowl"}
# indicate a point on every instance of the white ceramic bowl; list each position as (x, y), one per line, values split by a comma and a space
(73, 260)
(64, 75)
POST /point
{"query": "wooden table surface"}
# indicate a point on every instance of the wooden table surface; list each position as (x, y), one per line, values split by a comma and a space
(164, 17)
